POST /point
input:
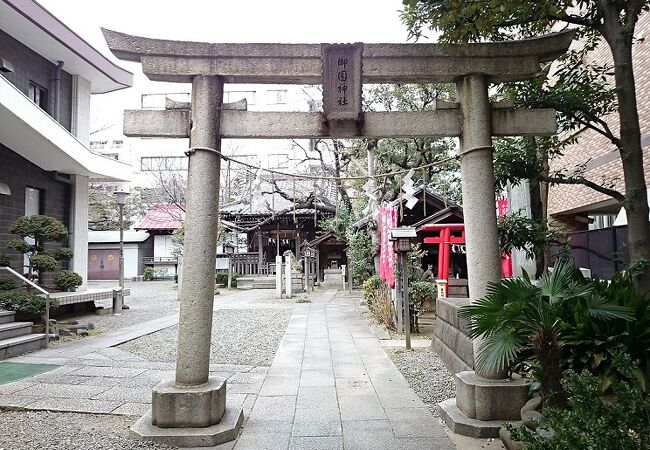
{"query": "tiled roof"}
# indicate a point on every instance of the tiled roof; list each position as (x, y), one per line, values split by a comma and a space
(162, 217)
(273, 202)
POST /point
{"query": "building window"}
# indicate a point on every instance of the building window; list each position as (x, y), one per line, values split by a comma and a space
(38, 94)
(277, 97)
(235, 96)
(599, 221)
(163, 163)
(33, 207)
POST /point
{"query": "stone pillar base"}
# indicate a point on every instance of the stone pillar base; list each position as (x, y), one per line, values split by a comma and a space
(189, 402)
(199, 406)
(482, 406)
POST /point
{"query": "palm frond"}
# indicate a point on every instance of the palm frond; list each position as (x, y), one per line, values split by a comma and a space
(499, 351)
(599, 307)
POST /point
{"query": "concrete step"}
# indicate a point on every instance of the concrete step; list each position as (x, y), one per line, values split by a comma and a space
(19, 345)
(7, 316)
(13, 329)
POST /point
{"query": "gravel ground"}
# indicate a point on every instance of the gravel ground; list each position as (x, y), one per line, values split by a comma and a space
(42, 430)
(425, 373)
(239, 336)
(147, 301)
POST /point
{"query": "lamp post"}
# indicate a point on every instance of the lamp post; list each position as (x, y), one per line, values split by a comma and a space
(121, 201)
(229, 249)
(401, 238)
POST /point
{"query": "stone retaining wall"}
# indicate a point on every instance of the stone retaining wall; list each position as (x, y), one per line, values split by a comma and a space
(450, 341)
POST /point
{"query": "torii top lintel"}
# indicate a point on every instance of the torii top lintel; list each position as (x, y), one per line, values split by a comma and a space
(180, 61)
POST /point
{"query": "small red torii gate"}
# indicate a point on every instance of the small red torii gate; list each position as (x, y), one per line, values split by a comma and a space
(444, 235)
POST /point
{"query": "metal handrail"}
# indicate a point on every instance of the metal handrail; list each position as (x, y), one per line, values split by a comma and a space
(42, 291)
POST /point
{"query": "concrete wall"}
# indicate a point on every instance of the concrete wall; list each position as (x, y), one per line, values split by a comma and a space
(450, 341)
(30, 66)
(19, 173)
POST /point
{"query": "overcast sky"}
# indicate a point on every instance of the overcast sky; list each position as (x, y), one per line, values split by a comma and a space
(290, 21)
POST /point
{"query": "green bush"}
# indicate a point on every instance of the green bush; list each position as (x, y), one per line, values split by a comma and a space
(421, 291)
(377, 295)
(361, 257)
(149, 274)
(67, 279)
(26, 302)
(43, 263)
(4, 260)
(222, 278)
(7, 284)
(523, 323)
(592, 344)
(621, 421)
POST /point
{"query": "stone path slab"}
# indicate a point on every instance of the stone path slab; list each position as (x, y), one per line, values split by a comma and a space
(332, 386)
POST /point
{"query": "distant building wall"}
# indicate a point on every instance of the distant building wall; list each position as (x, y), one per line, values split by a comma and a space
(601, 157)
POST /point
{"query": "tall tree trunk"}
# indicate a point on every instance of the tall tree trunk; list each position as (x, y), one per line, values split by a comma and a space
(636, 201)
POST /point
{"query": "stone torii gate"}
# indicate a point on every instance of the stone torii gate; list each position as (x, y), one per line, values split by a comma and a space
(192, 409)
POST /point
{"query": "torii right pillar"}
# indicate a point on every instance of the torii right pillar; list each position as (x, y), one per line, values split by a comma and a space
(484, 400)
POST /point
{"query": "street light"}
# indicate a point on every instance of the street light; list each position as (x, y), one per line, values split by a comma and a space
(229, 249)
(401, 238)
(118, 303)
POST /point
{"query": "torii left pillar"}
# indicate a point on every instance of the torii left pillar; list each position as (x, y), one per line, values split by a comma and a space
(190, 411)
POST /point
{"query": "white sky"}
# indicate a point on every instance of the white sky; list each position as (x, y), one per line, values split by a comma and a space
(287, 21)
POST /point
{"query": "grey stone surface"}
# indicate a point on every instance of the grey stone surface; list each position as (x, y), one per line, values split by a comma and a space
(188, 407)
(459, 423)
(485, 399)
(534, 404)
(225, 431)
(316, 443)
(301, 63)
(455, 340)
(447, 311)
(75, 405)
(532, 419)
(201, 218)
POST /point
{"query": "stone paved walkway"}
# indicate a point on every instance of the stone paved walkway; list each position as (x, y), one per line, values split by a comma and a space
(332, 386)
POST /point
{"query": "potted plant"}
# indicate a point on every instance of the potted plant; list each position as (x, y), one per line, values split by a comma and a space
(67, 280)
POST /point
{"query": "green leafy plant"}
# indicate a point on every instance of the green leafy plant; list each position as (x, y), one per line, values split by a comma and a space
(620, 421)
(594, 344)
(521, 322)
(25, 302)
(4, 260)
(149, 274)
(35, 232)
(361, 260)
(421, 291)
(222, 278)
(67, 279)
(7, 284)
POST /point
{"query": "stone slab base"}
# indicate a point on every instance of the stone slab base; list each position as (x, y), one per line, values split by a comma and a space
(459, 423)
(189, 407)
(225, 431)
(487, 400)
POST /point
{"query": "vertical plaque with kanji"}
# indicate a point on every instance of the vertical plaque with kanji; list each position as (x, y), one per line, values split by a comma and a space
(342, 69)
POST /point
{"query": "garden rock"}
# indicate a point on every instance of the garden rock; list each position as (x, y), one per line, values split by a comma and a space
(508, 442)
(532, 419)
(534, 404)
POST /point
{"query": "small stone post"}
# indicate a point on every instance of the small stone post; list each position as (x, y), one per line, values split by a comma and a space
(288, 263)
(278, 276)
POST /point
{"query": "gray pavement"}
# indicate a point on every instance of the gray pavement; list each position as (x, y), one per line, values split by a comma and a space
(330, 386)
